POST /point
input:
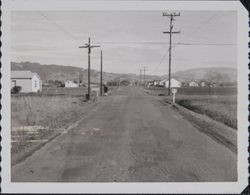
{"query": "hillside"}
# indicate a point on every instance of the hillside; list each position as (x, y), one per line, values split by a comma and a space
(63, 73)
(217, 75)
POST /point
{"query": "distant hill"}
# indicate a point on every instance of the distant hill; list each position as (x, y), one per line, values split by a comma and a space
(215, 74)
(63, 73)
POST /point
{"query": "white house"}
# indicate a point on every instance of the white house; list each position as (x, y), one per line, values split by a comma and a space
(27, 80)
(173, 83)
(71, 84)
(156, 82)
(193, 84)
(162, 82)
(203, 84)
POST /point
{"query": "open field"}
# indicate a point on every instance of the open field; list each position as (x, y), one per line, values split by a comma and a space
(51, 91)
(199, 90)
(221, 105)
(35, 119)
(64, 91)
(57, 91)
(219, 108)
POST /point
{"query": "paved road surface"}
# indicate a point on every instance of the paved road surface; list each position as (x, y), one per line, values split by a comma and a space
(130, 136)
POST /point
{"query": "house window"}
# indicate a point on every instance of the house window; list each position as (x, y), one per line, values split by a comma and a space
(13, 83)
(35, 83)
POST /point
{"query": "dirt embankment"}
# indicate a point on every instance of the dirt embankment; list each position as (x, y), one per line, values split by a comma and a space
(216, 116)
(218, 131)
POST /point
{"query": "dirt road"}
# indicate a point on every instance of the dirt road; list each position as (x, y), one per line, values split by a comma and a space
(130, 136)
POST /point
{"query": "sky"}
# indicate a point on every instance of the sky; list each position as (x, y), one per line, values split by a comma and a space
(129, 39)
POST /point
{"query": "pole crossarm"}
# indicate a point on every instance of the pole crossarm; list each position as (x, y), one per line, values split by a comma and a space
(170, 14)
(173, 32)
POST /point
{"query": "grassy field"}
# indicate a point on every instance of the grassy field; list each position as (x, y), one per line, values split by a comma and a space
(35, 118)
(200, 90)
(64, 91)
(219, 103)
(219, 108)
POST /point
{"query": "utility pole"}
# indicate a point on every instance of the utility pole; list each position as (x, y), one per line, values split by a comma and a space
(140, 77)
(89, 46)
(144, 69)
(101, 76)
(170, 32)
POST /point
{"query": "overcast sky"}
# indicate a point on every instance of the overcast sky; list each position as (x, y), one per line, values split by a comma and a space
(129, 39)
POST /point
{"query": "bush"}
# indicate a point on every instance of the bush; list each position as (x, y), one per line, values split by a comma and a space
(16, 89)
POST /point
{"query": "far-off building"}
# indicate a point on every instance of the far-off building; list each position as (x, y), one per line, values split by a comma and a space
(27, 80)
(71, 84)
(173, 83)
(193, 84)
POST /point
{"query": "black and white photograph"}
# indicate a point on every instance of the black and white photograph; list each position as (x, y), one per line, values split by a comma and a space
(124, 96)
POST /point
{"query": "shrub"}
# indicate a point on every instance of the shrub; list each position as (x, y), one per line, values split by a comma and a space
(16, 89)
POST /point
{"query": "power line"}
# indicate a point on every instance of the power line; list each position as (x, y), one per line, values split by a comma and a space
(161, 43)
(200, 26)
(57, 25)
(193, 44)
(162, 59)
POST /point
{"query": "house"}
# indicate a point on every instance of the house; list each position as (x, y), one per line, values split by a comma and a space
(150, 84)
(156, 82)
(173, 83)
(185, 84)
(203, 84)
(193, 84)
(162, 82)
(71, 84)
(27, 80)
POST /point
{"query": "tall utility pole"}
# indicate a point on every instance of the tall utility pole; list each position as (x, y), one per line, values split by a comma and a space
(101, 76)
(170, 32)
(144, 70)
(89, 46)
(140, 77)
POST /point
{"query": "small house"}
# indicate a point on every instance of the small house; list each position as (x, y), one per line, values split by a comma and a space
(156, 82)
(71, 84)
(173, 83)
(193, 84)
(203, 84)
(27, 80)
(150, 84)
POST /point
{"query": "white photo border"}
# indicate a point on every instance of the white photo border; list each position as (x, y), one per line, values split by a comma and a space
(157, 187)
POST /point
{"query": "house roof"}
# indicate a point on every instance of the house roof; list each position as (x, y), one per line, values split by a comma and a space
(166, 80)
(22, 74)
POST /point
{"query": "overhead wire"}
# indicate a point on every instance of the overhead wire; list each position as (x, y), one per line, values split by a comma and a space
(192, 33)
(57, 25)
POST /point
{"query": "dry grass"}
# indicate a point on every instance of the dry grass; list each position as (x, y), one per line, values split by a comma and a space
(219, 108)
(46, 111)
(35, 118)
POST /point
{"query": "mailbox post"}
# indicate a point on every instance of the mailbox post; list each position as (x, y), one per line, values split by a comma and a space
(174, 91)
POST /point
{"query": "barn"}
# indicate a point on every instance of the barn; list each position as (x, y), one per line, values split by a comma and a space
(27, 80)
